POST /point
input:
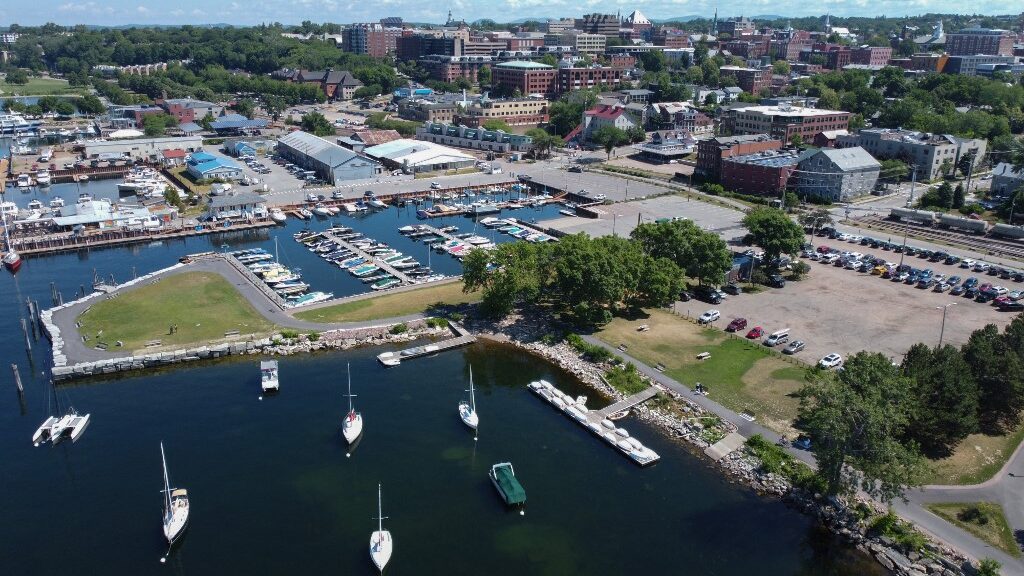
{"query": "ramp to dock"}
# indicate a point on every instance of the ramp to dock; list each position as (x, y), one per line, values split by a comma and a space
(635, 399)
(725, 446)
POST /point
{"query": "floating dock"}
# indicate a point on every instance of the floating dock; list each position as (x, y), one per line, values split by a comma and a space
(462, 338)
(596, 421)
(369, 257)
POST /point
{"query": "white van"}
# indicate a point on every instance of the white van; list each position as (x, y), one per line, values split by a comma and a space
(777, 337)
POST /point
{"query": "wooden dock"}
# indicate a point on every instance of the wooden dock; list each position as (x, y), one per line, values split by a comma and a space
(369, 258)
(462, 338)
(627, 403)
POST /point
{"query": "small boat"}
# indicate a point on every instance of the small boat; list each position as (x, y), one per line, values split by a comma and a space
(619, 415)
(305, 214)
(503, 476)
(567, 212)
(277, 215)
(375, 203)
(43, 178)
(35, 205)
(43, 432)
(352, 427)
(385, 283)
(321, 210)
(77, 425)
(364, 270)
(467, 410)
(83, 177)
(175, 506)
(380, 540)
(268, 375)
(309, 298)
(57, 202)
(24, 181)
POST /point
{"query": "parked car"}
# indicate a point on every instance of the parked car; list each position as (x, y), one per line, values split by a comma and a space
(776, 338)
(802, 442)
(970, 282)
(1012, 307)
(957, 290)
(708, 294)
(776, 281)
(731, 289)
(709, 316)
(736, 325)
(793, 347)
(755, 333)
(830, 361)
(971, 292)
(967, 263)
(685, 296)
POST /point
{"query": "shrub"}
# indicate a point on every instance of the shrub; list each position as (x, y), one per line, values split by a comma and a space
(800, 269)
(313, 336)
(399, 329)
(592, 352)
(989, 567)
(456, 317)
(289, 334)
(973, 515)
(904, 535)
(626, 379)
(437, 322)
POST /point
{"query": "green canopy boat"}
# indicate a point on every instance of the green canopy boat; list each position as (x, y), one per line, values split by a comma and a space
(504, 479)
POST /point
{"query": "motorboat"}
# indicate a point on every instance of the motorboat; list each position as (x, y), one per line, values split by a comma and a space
(176, 506)
(57, 202)
(352, 427)
(268, 376)
(43, 178)
(305, 214)
(321, 210)
(309, 298)
(503, 476)
(24, 181)
(385, 283)
(467, 409)
(375, 203)
(380, 540)
(277, 215)
(35, 205)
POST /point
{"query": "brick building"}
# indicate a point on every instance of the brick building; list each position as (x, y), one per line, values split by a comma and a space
(871, 55)
(670, 38)
(623, 61)
(749, 79)
(570, 78)
(748, 48)
(416, 46)
(373, 39)
(737, 27)
(449, 68)
(784, 121)
(977, 40)
(526, 77)
(514, 112)
(711, 152)
(604, 24)
(764, 173)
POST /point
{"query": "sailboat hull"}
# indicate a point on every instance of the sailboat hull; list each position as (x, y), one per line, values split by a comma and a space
(175, 526)
(468, 415)
(352, 428)
(380, 548)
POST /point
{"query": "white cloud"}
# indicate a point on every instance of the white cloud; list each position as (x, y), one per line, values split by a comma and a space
(76, 7)
(142, 10)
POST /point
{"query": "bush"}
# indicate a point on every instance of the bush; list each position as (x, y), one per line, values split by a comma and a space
(626, 379)
(973, 515)
(289, 334)
(800, 269)
(901, 533)
(592, 352)
(775, 460)
(399, 328)
(456, 317)
(989, 567)
(437, 322)
(313, 336)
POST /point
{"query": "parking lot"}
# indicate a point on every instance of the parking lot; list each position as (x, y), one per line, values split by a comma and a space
(622, 217)
(838, 310)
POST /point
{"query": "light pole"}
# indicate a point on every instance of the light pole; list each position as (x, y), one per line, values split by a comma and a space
(942, 330)
(913, 183)
(615, 218)
(903, 252)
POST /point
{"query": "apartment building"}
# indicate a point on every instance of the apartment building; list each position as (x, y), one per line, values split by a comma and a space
(784, 121)
(749, 79)
(922, 150)
(526, 77)
(513, 111)
(977, 40)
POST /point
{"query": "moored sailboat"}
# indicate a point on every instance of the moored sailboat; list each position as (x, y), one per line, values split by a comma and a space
(380, 540)
(176, 507)
(467, 409)
(352, 427)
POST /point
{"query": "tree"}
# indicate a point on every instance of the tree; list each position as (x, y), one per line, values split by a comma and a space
(171, 196)
(17, 76)
(989, 567)
(947, 407)
(64, 108)
(157, 124)
(543, 141)
(966, 163)
(796, 140)
(781, 67)
(608, 137)
(944, 195)
(702, 255)
(958, 196)
(998, 371)
(816, 219)
(484, 76)
(245, 107)
(508, 275)
(496, 124)
(946, 167)
(791, 200)
(636, 134)
(315, 123)
(90, 104)
(367, 92)
(774, 232)
(857, 420)
(894, 170)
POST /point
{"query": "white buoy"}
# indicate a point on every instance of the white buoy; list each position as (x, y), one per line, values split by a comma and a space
(261, 398)
(163, 560)
(347, 455)
(522, 512)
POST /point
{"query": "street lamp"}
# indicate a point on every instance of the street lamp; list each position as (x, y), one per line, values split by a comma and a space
(615, 218)
(942, 330)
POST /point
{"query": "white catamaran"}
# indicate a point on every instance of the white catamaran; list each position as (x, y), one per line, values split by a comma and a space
(467, 410)
(353, 425)
(380, 540)
(175, 506)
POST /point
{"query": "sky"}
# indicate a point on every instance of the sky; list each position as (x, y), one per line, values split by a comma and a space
(249, 12)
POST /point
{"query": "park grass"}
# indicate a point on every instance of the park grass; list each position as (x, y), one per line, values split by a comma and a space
(203, 305)
(976, 459)
(40, 87)
(391, 305)
(743, 375)
(982, 519)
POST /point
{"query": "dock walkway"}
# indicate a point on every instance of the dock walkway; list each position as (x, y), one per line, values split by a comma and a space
(370, 258)
(638, 398)
(462, 338)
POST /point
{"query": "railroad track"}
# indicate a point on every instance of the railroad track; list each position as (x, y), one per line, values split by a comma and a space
(983, 244)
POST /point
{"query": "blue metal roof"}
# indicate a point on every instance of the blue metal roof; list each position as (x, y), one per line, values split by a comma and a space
(236, 121)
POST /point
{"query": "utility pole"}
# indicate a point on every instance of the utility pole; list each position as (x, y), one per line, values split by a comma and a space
(903, 252)
(913, 182)
(942, 330)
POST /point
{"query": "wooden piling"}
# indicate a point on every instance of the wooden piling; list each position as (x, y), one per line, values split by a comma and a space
(17, 379)
(24, 330)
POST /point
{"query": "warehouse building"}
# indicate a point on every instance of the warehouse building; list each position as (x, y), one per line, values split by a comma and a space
(202, 165)
(148, 149)
(331, 162)
(413, 156)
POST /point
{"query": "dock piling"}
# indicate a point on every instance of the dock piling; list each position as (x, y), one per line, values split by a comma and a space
(24, 330)
(17, 379)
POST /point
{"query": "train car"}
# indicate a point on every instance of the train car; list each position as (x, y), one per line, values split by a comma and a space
(963, 224)
(1008, 231)
(920, 216)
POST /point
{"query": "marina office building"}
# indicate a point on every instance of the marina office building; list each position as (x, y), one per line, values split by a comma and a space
(332, 163)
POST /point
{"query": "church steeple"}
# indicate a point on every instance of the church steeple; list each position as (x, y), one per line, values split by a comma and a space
(714, 24)
(828, 26)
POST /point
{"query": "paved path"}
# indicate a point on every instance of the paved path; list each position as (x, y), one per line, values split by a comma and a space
(77, 351)
(998, 490)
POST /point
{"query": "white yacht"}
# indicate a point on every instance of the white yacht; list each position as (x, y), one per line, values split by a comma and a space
(380, 540)
(175, 506)
(14, 123)
(268, 375)
(277, 215)
(43, 178)
(57, 202)
(24, 181)
(353, 425)
(467, 410)
(35, 205)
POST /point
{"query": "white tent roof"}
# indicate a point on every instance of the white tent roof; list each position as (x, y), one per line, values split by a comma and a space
(126, 133)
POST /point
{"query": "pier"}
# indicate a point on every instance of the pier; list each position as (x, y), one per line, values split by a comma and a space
(369, 258)
(462, 338)
(635, 399)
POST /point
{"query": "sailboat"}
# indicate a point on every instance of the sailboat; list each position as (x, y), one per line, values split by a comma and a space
(175, 506)
(467, 410)
(12, 260)
(380, 540)
(353, 425)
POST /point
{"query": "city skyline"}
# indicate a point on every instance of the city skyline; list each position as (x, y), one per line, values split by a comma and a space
(143, 12)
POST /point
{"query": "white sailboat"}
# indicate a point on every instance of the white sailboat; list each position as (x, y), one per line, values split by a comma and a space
(467, 410)
(380, 540)
(353, 425)
(175, 506)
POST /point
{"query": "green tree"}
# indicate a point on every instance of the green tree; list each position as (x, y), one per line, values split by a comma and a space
(958, 196)
(171, 196)
(90, 104)
(608, 137)
(796, 140)
(857, 420)
(245, 107)
(636, 134)
(999, 373)
(989, 567)
(816, 219)
(946, 167)
(966, 163)
(496, 124)
(64, 108)
(17, 76)
(894, 170)
(508, 276)
(947, 407)
(791, 200)
(157, 124)
(367, 92)
(774, 232)
(543, 141)
(781, 67)
(944, 194)
(315, 123)
(484, 76)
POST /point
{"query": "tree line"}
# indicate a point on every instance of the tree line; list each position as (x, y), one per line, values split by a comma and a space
(590, 278)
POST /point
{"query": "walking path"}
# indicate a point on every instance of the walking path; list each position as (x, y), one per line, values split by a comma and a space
(1006, 488)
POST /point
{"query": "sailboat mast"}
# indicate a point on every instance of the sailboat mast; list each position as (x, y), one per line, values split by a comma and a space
(167, 484)
(276, 259)
(380, 515)
(472, 396)
(348, 368)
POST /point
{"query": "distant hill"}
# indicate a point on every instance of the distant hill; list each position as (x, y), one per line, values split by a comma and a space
(678, 19)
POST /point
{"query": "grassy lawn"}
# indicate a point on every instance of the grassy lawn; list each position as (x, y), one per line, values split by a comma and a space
(390, 305)
(40, 87)
(740, 374)
(983, 519)
(203, 305)
(976, 459)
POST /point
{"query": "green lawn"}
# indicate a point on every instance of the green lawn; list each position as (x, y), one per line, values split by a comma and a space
(983, 519)
(390, 305)
(40, 87)
(741, 374)
(976, 459)
(203, 306)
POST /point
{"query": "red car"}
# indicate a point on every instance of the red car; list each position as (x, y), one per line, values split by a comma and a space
(822, 249)
(1000, 300)
(755, 333)
(736, 325)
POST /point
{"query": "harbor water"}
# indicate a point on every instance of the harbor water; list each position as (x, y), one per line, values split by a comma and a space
(272, 489)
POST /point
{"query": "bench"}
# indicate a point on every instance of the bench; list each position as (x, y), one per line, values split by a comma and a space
(643, 328)
(659, 367)
(101, 346)
(623, 347)
(231, 333)
(153, 343)
(703, 355)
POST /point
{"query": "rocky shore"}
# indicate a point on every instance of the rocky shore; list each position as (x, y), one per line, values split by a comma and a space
(689, 422)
